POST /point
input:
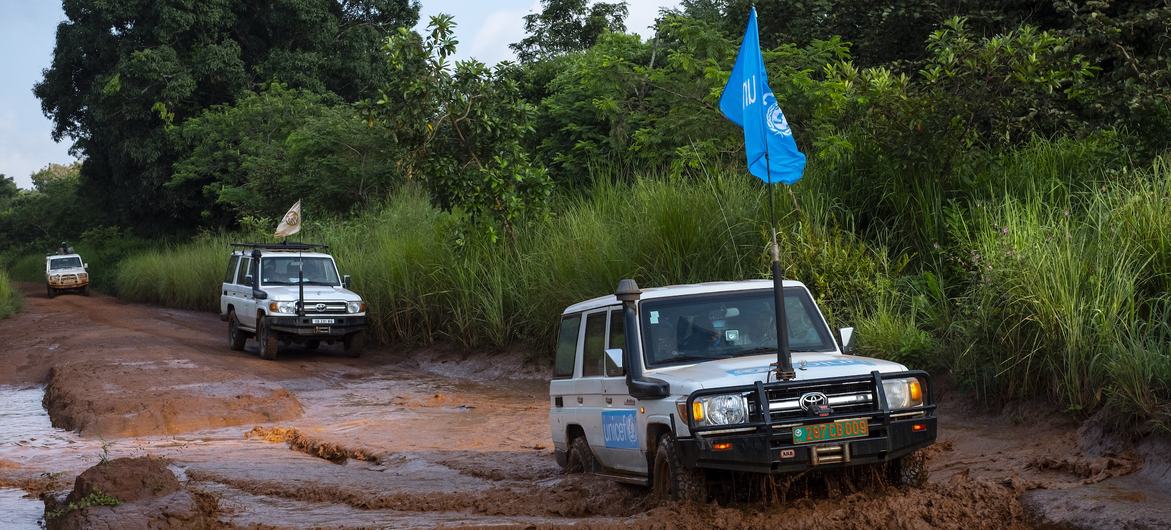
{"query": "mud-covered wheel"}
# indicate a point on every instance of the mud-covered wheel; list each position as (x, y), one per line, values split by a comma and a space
(671, 480)
(910, 470)
(312, 344)
(581, 457)
(354, 344)
(85, 291)
(51, 292)
(236, 336)
(266, 340)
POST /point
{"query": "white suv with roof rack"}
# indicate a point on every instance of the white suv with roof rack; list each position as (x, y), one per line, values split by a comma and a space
(290, 293)
(65, 272)
(674, 386)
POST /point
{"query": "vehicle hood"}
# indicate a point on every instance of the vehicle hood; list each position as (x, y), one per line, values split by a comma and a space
(685, 379)
(289, 293)
(70, 270)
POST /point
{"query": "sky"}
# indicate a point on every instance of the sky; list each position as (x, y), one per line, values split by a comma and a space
(484, 29)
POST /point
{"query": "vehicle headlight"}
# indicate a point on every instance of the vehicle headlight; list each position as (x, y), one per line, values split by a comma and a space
(288, 308)
(355, 307)
(903, 393)
(724, 409)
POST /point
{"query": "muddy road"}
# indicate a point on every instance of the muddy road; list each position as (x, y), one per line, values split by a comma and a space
(427, 439)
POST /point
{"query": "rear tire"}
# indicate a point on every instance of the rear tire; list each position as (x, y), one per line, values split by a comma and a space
(354, 344)
(910, 470)
(236, 336)
(266, 340)
(671, 480)
(581, 457)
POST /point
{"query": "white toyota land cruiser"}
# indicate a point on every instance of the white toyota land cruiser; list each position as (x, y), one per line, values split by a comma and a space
(65, 272)
(292, 293)
(670, 387)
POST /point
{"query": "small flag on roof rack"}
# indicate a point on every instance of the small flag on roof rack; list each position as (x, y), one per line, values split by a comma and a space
(291, 222)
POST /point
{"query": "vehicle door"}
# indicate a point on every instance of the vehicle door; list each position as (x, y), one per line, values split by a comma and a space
(563, 406)
(228, 293)
(245, 304)
(611, 423)
(620, 419)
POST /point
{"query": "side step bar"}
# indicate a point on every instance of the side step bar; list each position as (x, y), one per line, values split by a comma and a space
(625, 479)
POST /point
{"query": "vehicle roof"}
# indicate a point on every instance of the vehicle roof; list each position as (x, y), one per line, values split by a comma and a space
(270, 253)
(651, 293)
(55, 256)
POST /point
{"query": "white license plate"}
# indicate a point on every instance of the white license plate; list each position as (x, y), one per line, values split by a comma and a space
(323, 321)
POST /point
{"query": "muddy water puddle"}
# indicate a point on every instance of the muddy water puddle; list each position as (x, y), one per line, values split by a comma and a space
(20, 511)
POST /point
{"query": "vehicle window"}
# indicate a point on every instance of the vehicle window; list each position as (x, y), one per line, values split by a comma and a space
(566, 346)
(723, 325)
(231, 273)
(64, 263)
(286, 270)
(593, 351)
(617, 340)
(245, 265)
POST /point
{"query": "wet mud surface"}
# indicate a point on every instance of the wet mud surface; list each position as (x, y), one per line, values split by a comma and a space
(432, 439)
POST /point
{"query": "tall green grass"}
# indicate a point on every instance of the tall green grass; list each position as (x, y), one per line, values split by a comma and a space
(10, 300)
(185, 276)
(1067, 299)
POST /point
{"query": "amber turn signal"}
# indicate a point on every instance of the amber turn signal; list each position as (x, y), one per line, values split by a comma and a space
(918, 427)
(721, 446)
(916, 391)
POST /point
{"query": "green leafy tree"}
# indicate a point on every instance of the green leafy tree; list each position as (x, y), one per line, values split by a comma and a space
(125, 71)
(273, 147)
(460, 131)
(564, 26)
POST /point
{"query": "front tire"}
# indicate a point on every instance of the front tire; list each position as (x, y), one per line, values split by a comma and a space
(85, 291)
(910, 470)
(236, 336)
(267, 340)
(671, 480)
(50, 291)
(581, 457)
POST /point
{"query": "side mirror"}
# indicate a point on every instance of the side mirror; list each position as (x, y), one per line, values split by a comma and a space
(346, 281)
(85, 265)
(847, 340)
(259, 295)
(615, 354)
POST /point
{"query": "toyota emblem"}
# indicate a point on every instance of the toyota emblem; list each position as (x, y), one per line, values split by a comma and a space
(321, 307)
(814, 402)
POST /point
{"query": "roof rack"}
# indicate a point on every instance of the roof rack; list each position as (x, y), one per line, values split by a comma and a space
(287, 247)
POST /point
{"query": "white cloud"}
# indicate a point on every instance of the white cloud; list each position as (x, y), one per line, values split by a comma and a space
(643, 13)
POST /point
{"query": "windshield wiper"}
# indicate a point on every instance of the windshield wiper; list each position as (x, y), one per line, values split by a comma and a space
(678, 358)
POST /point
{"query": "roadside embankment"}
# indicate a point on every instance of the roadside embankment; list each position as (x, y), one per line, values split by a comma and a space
(10, 300)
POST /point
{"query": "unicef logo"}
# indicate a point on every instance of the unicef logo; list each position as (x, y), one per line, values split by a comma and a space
(774, 118)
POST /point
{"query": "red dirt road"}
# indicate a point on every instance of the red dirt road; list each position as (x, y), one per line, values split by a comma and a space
(423, 439)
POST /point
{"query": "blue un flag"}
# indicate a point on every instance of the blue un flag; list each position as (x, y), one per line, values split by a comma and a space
(749, 102)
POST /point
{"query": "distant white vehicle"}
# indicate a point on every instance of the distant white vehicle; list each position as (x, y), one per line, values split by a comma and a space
(673, 386)
(66, 272)
(289, 293)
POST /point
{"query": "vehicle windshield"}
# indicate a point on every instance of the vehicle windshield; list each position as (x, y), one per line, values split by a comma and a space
(285, 270)
(64, 263)
(724, 325)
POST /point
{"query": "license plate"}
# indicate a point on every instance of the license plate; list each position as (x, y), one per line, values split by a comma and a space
(323, 321)
(822, 432)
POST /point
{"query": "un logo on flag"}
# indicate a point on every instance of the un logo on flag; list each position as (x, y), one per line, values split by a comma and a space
(774, 118)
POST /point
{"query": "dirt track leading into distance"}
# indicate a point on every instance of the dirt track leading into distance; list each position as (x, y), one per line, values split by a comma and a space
(425, 439)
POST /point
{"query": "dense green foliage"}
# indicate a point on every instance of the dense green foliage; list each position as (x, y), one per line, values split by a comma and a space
(125, 71)
(986, 191)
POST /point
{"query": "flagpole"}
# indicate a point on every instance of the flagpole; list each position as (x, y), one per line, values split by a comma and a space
(784, 358)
